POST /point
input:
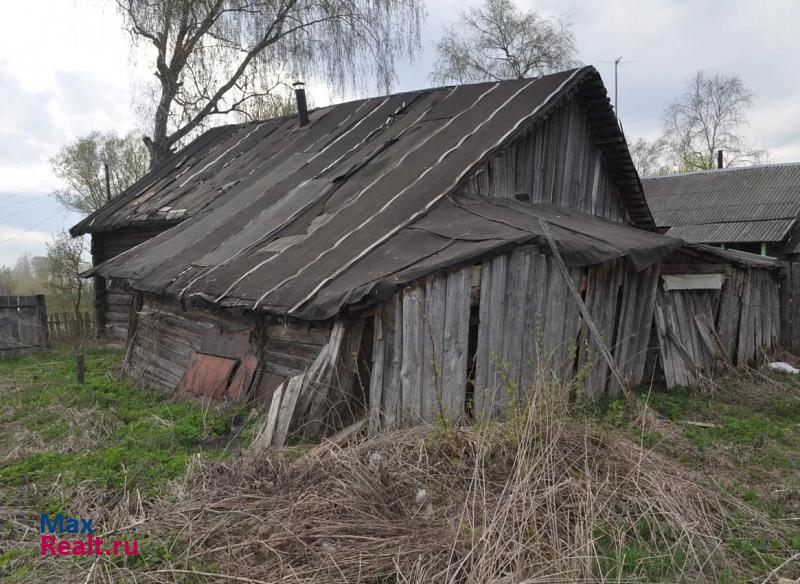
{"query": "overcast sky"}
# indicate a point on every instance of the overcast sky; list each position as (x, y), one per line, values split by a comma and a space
(65, 70)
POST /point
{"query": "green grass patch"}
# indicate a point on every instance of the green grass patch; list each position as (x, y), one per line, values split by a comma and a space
(106, 430)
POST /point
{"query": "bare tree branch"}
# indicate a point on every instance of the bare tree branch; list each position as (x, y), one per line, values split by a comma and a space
(498, 41)
(709, 117)
(213, 57)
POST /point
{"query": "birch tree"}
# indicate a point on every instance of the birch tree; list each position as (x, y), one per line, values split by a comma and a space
(711, 115)
(499, 41)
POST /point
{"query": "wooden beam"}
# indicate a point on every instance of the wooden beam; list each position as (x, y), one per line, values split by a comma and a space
(626, 389)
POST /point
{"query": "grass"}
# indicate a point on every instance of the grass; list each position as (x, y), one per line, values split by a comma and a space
(747, 443)
(554, 492)
(105, 431)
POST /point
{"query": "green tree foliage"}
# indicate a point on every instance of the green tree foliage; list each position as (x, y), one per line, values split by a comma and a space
(81, 165)
(64, 265)
(499, 41)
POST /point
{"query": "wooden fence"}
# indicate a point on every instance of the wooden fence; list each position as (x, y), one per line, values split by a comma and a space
(23, 325)
(67, 327)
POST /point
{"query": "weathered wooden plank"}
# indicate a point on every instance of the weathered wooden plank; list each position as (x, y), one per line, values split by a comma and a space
(286, 410)
(433, 319)
(496, 360)
(746, 343)
(328, 380)
(376, 378)
(518, 272)
(571, 330)
(482, 348)
(588, 363)
(393, 332)
(413, 354)
(553, 338)
(627, 321)
(456, 335)
(605, 315)
(650, 288)
(728, 316)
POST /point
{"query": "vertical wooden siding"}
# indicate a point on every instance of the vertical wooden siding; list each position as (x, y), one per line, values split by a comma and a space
(420, 352)
(790, 307)
(557, 162)
(699, 330)
(528, 325)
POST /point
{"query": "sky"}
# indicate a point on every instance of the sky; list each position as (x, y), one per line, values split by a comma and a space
(66, 70)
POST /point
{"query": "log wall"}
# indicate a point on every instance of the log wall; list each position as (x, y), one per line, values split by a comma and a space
(166, 336)
(557, 162)
(528, 327)
(113, 307)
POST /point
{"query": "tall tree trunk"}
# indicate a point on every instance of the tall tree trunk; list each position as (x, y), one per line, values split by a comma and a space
(160, 144)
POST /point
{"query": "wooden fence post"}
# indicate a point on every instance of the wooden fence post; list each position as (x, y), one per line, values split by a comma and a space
(80, 368)
(41, 313)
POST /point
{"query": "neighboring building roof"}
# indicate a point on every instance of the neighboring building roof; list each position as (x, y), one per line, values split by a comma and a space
(739, 257)
(315, 274)
(747, 204)
(734, 231)
(467, 123)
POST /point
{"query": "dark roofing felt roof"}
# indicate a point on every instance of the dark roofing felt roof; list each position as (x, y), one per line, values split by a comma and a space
(305, 220)
(747, 204)
(313, 275)
(244, 160)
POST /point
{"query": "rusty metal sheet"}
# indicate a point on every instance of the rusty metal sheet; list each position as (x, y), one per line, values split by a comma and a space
(207, 375)
(241, 388)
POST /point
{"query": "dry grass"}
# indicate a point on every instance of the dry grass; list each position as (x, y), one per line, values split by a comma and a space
(541, 497)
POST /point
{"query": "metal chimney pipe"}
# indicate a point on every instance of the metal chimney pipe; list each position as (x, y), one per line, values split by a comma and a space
(719, 158)
(302, 105)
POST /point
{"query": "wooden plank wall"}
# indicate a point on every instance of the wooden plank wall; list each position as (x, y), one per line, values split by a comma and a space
(420, 352)
(113, 307)
(167, 336)
(529, 329)
(701, 330)
(558, 163)
(23, 325)
(790, 307)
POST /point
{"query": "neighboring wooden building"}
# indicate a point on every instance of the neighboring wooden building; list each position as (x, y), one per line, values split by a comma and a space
(715, 309)
(751, 208)
(754, 209)
(413, 255)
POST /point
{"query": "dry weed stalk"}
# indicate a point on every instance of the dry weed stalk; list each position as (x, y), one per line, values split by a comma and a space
(539, 497)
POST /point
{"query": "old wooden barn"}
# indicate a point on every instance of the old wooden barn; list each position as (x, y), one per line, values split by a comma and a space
(412, 256)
